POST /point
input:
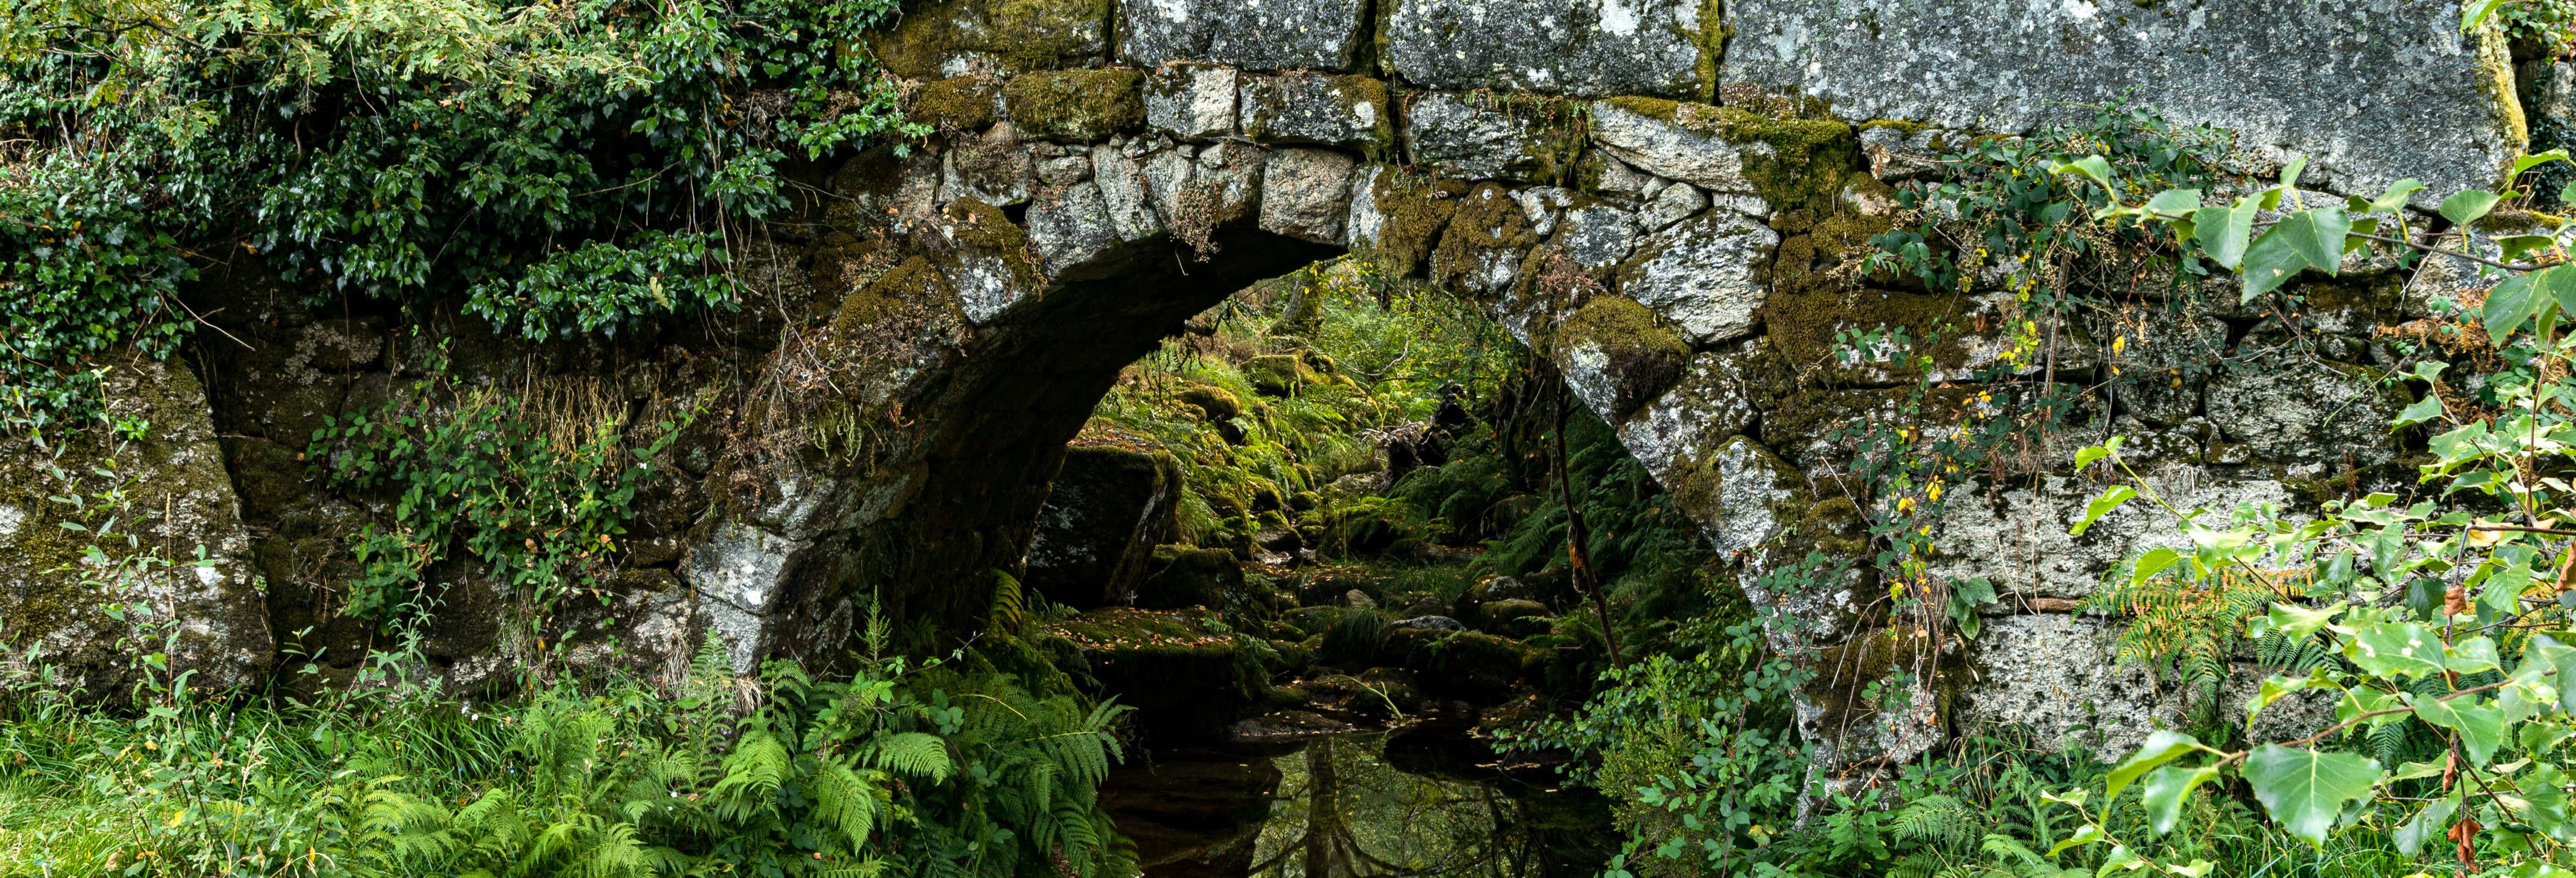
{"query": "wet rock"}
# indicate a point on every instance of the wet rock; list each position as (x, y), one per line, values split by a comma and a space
(1432, 623)
(1649, 47)
(1107, 510)
(2426, 94)
(1482, 137)
(1306, 194)
(1192, 101)
(1700, 274)
(1287, 726)
(1349, 112)
(1358, 600)
(1275, 35)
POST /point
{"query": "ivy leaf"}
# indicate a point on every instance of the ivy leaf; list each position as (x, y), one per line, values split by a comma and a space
(2101, 506)
(2468, 205)
(2318, 236)
(2165, 790)
(2481, 728)
(2396, 650)
(2427, 824)
(2304, 790)
(2165, 745)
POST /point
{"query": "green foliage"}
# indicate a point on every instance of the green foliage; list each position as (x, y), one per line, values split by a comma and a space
(896, 771)
(401, 149)
(539, 504)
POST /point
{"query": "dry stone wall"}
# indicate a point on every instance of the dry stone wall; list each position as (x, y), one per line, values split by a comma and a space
(1669, 200)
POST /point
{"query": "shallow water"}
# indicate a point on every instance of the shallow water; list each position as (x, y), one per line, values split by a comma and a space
(1420, 801)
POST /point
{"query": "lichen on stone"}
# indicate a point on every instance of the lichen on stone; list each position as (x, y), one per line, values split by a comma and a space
(1079, 106)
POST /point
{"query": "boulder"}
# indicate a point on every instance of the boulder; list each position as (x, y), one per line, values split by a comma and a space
(1188, 576)
(1568, 47)
(1430, 623)
(1106, 511)
(1274, 35)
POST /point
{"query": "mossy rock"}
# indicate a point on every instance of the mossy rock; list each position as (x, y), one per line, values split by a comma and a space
(1488, 232)
(1077, 106)
(1212, 403)
(962, 103)
(1187, 674)
(1416, 211)
(1619, 354)
(1472, 665)
(1186, 576)
(1514, 617)
(1016, 35)
(1285, 374)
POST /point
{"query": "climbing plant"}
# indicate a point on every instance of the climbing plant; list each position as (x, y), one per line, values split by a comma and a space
(562, 166)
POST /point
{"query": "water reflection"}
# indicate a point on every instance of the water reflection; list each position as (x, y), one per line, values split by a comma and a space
(1341, 810)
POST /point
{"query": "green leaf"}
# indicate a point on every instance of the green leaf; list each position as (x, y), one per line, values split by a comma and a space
(2526, 163)
(2426, 824)
(2153, 562)
(2468, 205)
(2425, 409)
(2224, 231)
(2297, 622)
(2084, 835)
(2481, 728)
(2395, 198)
(2304, 790)
(2162, 746)
(2397, 650)
(2175, 201)
(2510, 303)
(2318, 235)
(2271, 262)
(2290, 172)
(2278, 685)
(2538, 738)
(2165, 790)
(2516, 245)
(2101, 506)
(2093, 167)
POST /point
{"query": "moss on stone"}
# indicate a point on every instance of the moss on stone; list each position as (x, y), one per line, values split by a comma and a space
(1416, 212)
(963, 103)
(915, 280)
(1644, 357)
(1022, 35)
(1487, 220)
(1080, 106)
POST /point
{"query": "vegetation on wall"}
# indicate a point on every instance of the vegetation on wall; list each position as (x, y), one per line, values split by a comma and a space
(562, 167)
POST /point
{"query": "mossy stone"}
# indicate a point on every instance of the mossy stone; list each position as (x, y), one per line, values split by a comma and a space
(1624, 353)
(1079, 106)
(1017, 35)
(961, 103)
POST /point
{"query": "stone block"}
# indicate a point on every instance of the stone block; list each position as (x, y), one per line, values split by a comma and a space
(1569, 47)
(2411, 97)
(993, 167)
(1615, 356)
(959, 37)
(2313, 416)
(1106, 511)
(1078, 106)
(1486, 137)
(1305, 194)
(1676, 140)
(1595, 235)
(1345, 111)
(1712, 401)
(1192, 101)
(1271, 35)
(1069, 225)
(1700, 274)
(1125, 194)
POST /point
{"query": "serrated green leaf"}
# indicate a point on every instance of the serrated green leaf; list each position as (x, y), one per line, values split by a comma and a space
(2162, 746)
(2093, 167)
(2318, 236)
(2538, 738)
(2516, 245)
(2297, 622)
(2175, 201)
(2528, 162)
(2395, 198)
(2271, 262)
(2397, 650)
(2084, 835)
(2304, 790)
(2165, 790)
(2426, 824)
(2481, 728)
(2510, 303)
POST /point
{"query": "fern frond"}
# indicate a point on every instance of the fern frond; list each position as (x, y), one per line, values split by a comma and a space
(918, 754)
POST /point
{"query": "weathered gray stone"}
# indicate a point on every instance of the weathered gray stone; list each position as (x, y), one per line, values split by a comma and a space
(1683, 147)
(1125, 193)
(1305, 193)
(2018, 538)
(1541, 204)
(1618, 180)
(1597, 236)
(1365, 222)
(959, 37)
(2413, 97)
(1568, 47)
(1264, 35)
(1230, 174)
(2311, 417)
(2168, 363)
(1710, 404)
(1064, 170)
(1192, 101)
(1345, 111)
(2060, 675)
(1476, 137)
(992, 168)
(1068, 226)
(1700, 274)
(1672, 204)
(1749, 498)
